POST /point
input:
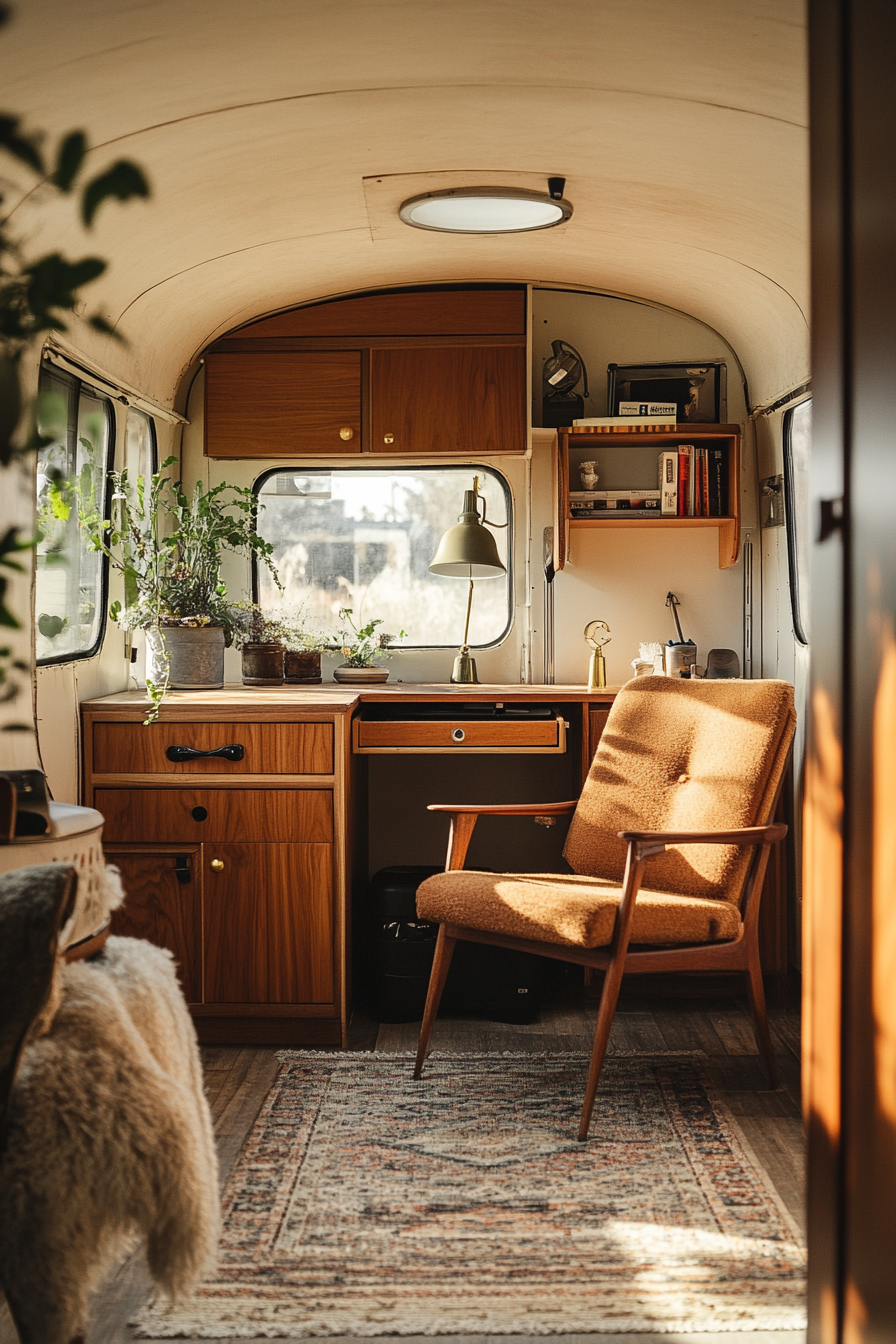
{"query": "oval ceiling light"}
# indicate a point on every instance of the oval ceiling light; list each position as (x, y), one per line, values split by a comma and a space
(487, 209)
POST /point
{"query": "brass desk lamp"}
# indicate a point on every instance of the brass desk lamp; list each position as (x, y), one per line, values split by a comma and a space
(468, 551)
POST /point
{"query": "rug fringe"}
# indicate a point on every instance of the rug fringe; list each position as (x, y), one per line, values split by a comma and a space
(435, 1055)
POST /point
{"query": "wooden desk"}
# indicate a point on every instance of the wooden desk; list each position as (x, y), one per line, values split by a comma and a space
(244, 867)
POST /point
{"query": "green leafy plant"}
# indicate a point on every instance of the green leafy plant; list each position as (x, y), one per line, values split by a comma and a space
(35, 294)
(360, 647)
(168, 546)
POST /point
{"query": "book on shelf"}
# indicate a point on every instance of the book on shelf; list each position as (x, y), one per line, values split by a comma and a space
(628, 424)
(614, 494)
(657, 410)
(685, 480)
(718, 482)
(638, 504)
(668, 477)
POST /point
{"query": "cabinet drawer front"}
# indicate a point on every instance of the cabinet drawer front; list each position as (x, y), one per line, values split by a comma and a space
(455, 736)
(268, 748)
(175, 816)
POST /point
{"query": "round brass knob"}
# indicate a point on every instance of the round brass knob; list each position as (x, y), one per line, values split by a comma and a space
(346, 432)
(388, 438)
(218, 865)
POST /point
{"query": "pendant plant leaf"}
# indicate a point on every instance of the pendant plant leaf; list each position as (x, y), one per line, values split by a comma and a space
(122, 181)
(69, 159)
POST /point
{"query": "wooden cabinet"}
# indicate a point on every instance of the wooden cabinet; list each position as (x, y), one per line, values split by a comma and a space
(422, 373)
(630, 460)
(268, 916)
(283, 404)
(238, 867)
(164, 905)
(448, 399)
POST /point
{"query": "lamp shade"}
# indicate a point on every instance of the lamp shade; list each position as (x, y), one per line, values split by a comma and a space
(468, 550)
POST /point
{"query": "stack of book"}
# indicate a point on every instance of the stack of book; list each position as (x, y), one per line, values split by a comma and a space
(601, 503)
(694, 482)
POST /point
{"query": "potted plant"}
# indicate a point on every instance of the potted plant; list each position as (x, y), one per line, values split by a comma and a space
(168, 546)
(259, 636)
(360, 648)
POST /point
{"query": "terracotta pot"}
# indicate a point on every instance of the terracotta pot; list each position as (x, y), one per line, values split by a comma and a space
(302, 667)
(196, 656)
(262, 664)
(361, 676)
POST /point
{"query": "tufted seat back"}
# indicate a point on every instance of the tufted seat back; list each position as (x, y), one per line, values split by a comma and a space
(684, 756)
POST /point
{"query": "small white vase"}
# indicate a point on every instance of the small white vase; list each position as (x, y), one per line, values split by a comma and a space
(589, 476)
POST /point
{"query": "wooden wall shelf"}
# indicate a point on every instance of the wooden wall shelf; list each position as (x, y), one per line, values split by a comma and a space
(569, 441)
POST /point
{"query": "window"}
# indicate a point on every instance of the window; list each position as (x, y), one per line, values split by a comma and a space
(72, 475)
(797, 445)
(363, 538)
(141, 456)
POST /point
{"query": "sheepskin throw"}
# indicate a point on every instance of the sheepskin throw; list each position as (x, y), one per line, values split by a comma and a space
(365, 1203)
(109, 1138)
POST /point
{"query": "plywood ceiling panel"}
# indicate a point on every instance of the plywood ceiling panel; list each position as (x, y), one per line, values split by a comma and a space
(680, 127)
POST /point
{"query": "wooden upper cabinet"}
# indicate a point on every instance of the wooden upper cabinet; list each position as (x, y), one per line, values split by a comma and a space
(283, 404)
(465, 399)
(442, 312)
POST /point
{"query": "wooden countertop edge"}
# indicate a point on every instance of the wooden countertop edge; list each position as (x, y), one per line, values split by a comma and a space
(330, 699)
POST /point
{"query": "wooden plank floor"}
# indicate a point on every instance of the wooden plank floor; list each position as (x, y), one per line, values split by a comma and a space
(239, 1078)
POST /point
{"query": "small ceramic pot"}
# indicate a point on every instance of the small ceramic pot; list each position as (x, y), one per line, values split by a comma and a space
(360, 676)
(262, 664)
(195, 656)
(301, 668)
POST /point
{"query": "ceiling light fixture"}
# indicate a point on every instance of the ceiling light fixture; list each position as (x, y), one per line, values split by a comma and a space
(488, 209)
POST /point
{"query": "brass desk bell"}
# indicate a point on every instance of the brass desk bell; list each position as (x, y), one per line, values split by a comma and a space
(597, 668)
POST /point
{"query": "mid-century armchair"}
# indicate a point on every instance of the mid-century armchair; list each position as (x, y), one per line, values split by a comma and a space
(668, 848)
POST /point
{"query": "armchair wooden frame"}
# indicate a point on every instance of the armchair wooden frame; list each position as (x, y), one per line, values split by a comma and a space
(735, 954)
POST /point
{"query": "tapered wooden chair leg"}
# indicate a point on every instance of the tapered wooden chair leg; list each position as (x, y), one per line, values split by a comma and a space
(756, 996)
(440, 966)
(603, 1027)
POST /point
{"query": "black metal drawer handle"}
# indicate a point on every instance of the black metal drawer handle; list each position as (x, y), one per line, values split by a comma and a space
(234, 751)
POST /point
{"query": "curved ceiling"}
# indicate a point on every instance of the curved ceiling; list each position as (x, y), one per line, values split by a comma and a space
(281, 136)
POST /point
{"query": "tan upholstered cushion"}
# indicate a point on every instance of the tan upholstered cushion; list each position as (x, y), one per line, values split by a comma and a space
(690, 756)
(556, 908)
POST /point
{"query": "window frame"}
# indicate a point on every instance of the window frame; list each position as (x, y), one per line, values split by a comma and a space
(470, 469)
(790, 516)
(76, 386)
(153, 438)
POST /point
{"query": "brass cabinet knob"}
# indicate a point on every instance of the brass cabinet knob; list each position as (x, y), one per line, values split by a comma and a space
(346, 432)
(218, 865)
(388, 438)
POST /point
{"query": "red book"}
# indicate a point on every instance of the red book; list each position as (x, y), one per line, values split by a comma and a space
(685, 467)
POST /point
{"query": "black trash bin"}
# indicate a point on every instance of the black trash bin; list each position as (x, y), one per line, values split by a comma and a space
(493, 983)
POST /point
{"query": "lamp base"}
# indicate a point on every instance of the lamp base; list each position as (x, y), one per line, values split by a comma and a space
(464, 670)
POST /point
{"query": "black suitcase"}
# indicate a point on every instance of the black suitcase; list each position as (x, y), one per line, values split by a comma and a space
(493, 983)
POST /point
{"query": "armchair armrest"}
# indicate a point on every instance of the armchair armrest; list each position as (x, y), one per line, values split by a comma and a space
(646, 843)
(464, 818)
(506, 809)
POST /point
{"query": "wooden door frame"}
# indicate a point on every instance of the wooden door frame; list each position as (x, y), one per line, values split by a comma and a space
(850, 850)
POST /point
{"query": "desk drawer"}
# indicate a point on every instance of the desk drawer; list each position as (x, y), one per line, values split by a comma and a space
(459, 735)
(176, 816)
(268, 748)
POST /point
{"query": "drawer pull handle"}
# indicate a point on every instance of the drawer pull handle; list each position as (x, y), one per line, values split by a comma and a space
(218, 865)
(458, 735)
(182, 869)
(234, 751)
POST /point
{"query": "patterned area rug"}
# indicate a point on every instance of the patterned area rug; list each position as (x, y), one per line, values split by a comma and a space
(364, 1203)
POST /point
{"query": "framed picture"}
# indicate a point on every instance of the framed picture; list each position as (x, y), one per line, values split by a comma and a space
(699, 389)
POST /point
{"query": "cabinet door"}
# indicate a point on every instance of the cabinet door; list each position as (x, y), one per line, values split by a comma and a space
(283, 404)
(448, 399)
(163, 904)
(268, 919)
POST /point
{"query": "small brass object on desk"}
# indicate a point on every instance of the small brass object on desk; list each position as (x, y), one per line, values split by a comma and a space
(597, 668)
